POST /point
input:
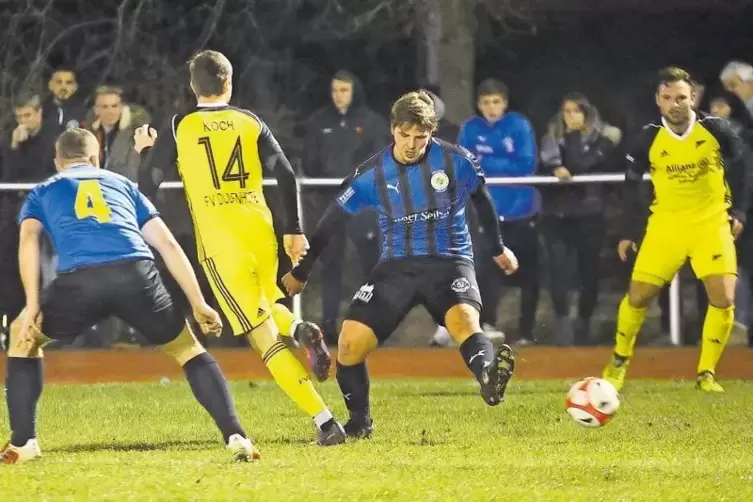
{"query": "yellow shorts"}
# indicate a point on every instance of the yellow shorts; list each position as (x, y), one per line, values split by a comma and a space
(666, 245)
(245, 285)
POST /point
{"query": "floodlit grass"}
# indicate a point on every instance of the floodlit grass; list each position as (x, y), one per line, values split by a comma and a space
(434, 440)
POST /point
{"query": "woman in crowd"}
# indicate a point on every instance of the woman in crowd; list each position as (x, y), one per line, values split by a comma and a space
(577, 142)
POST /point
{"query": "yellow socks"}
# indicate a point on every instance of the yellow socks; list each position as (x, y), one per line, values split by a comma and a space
(716, 331)
(292, 378)
(284, 319)
(629, 322)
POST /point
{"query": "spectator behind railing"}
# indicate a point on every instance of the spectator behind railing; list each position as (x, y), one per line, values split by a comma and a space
(505, 145)
(737, 77)
(729, 106)
(577, 142)
(64, 108)
(28, 151)
(113, 123)
(338, 137)
(447, 130)
(27, 155)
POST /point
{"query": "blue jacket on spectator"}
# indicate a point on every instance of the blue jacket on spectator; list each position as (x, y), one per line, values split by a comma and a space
(505, 148)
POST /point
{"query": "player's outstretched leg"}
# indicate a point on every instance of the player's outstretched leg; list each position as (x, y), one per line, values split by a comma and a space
(356, 341)
(630, 318)
(717, 328)
(292, 378)
(309, 335)
(210, 389)
(492, 370)
(23, 387)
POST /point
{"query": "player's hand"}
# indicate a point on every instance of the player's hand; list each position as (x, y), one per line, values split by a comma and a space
(20, 134)
(292, 285)
(31, 323)
(736, 226)
(624, 246)
(144, 137)
(208, 319)
(296, 246)
(562, 174)
(507, 261)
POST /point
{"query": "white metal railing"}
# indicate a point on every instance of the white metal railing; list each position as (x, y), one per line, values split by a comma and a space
(674, 289)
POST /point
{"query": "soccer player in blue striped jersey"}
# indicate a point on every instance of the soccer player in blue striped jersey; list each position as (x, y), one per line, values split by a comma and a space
(418, 186)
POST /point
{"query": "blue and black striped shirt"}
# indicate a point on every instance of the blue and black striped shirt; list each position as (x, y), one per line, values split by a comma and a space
(421, 207)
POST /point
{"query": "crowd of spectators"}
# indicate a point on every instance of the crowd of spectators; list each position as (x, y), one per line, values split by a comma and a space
(563, 224)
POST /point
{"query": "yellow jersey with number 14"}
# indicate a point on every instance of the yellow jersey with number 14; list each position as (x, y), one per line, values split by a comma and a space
(220, 164)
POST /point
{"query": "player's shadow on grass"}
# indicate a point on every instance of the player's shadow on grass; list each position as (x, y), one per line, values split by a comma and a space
(289, 440)
(156, 446)
(434, 393)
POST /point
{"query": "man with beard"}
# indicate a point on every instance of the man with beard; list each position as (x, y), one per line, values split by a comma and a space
(699, 175)
(63, 108)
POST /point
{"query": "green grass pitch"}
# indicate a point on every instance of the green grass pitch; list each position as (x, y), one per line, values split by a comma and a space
(434, 440)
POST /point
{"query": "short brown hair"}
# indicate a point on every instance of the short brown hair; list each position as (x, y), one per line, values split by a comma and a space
(211, 73)
(24, 100)
(76, 143)
(415, 109)
(490, 87)
(344, 76)
(673, 74)
(108, 89)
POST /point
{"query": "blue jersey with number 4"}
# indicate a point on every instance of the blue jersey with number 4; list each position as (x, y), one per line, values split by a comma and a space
(92, 216)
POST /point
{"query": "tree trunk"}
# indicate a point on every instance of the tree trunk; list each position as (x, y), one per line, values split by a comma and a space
(429, 24)
(457, 54)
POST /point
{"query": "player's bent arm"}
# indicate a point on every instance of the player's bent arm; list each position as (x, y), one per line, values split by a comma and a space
(29, 260)
(332, 222)
(274, 159)
(158, 159)
(487, 216)
(160, 238)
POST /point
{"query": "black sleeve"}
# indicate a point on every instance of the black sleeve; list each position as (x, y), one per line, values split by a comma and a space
(159, 160)
(580, 161)
(310, 161)
(738, 166)
(273, 158)
(487, 216)
(332, 221)
(637, 164)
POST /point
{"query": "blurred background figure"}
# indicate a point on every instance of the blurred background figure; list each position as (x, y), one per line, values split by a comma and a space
(27, 157)
(505, 145)
(728, 105)
(577, 142)
(113, 122)
(737, 77)
(64, 108)
(339, 137)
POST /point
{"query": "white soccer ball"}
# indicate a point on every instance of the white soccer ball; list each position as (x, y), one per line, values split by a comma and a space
(592, 402)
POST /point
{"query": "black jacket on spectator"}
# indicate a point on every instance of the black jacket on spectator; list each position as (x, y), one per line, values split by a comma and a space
(446, 130)
(580, 153)
(62, 116)
(32, 161)
(336, 144)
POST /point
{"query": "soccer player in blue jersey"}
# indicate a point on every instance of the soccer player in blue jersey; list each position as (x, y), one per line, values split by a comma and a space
(419, 186)
(100, 225)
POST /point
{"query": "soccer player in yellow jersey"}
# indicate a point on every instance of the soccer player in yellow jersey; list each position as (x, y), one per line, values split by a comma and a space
(220, 153)
(699, 173)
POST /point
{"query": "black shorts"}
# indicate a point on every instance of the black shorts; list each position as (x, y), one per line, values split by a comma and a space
(394, 287)
(130, 290)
